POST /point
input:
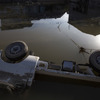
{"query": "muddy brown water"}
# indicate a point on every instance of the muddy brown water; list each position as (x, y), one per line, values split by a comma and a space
(53, 40)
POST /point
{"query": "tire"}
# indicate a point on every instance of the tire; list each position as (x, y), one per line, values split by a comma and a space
(15, 52)
(94, 61)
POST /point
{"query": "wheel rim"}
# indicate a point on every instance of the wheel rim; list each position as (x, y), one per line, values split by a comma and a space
(98, 59)
(15, 49)
(15, 52)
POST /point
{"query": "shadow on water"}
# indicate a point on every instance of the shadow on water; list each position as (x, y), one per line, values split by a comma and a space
(52, 39)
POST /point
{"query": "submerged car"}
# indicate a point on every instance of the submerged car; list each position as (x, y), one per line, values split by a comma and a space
(18, 65)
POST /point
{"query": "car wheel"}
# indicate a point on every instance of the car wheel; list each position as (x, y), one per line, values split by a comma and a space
(15, 51)
(94, 61)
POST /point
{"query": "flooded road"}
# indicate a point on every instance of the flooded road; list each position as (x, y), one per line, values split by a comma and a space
(53, 40)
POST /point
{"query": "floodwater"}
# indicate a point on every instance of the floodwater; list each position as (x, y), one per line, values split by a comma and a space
(53, 40)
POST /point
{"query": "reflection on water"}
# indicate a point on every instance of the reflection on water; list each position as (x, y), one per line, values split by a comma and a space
(7, 24)
(42, 90)
(55, 40)
(15, 16)
(91, 26)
